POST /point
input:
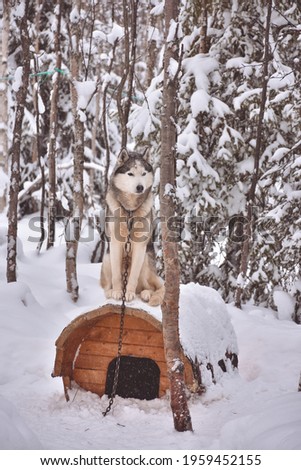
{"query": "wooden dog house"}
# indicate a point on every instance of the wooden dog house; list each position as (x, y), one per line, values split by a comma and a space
(86, 353)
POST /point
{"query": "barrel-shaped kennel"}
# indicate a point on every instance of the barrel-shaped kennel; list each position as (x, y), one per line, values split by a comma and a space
(86, 352)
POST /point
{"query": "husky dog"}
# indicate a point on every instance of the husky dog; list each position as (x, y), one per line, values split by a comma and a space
(129, 217)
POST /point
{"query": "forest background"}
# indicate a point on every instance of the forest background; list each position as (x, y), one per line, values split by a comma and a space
(79, 80)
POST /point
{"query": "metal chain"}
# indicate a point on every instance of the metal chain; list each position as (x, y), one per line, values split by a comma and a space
(125, 275)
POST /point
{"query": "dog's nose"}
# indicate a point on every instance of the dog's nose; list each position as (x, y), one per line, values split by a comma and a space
(139, 188)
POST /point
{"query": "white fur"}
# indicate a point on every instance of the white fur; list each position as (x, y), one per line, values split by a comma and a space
(121, 198)
(137, 175)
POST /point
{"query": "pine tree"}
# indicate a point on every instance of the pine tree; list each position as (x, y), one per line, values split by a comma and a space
(251, 196)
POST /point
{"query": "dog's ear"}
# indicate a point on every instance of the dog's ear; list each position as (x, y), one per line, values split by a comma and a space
(123, 156)
(146, 155)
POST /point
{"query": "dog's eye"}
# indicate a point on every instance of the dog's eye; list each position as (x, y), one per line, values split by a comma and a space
(131, 174)
(143, 174)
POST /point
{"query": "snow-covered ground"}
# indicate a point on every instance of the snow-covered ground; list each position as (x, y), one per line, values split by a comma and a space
(257, 408)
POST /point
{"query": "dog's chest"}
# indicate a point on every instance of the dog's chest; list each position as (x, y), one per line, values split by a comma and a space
(131, 202)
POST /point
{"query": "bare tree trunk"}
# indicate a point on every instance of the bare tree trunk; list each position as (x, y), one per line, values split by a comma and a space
(130, 36)
(3, 100)
(38, 137)
(74, 224)
(53, 131)
(170, 305)
(95, 129)
(203, 29)
(105, 133)
(104, 120)
(152, 48)
(248, 229)
(11, 270)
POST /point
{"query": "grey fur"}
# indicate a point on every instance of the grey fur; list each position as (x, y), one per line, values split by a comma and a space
(130, 195)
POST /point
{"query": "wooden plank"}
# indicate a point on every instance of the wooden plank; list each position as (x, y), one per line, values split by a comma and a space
(99, 389)
(87, 320)
(66, 369)
(111, 335)
(89, 376)
(163, 368)
(164, 385)
(67, 387)
(130, 322)
(58, 363)
(87, 361)
(110, 350)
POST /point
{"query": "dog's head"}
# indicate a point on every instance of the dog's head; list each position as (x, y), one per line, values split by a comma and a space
(133, 173)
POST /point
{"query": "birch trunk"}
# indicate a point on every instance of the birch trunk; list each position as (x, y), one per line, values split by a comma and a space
(170, 305)
(74, 224)
(53, 132)
(38, 137)
(11, 269)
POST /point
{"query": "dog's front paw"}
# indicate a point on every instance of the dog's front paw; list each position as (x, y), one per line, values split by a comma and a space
(116, 294)
(145, 295)
(108, 293)
(130, 295)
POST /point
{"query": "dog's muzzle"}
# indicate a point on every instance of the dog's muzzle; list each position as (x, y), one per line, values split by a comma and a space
(139, 188)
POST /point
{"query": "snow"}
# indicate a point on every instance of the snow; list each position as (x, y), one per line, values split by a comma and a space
(220, 108)
(240, 281)
(17, 80)
(4, 182)
(173, 68)
(199, 102)
(256, 408)
(158, 8)
(200, 67)
(116, 33)
(19, 10)
(239, 100)
(285, 304)
(85, 91)
(14, 429)
(144, 120)
(277, 430)
(169, 190)
(205, 328)
(279, 154)
(153, 34)
(74, 15)
(173, 32)
(282, 79)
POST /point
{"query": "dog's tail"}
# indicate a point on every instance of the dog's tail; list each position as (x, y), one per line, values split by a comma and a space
(157, 297)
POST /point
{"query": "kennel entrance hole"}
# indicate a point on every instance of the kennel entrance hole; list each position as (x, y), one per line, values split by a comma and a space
(139, 377)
